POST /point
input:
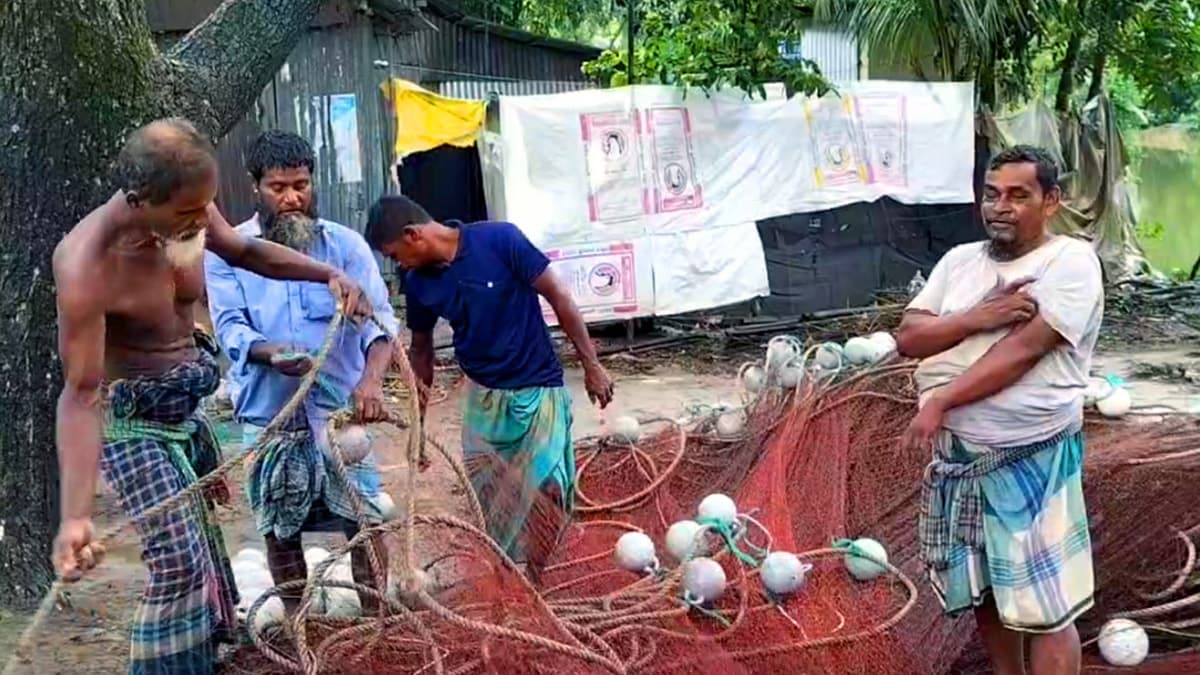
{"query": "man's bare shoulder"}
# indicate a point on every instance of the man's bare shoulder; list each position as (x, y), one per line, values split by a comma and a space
(80, 263)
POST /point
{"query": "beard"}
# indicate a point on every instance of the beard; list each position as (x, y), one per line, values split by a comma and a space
(293, 229)
(184, 253)
(1002, 240)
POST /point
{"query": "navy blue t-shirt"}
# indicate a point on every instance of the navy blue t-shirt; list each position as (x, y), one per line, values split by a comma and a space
(500, 337)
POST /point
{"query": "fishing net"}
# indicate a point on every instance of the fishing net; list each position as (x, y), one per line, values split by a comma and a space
(811, 467)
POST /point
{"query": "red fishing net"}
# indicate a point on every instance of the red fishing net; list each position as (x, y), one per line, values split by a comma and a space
(811, 467)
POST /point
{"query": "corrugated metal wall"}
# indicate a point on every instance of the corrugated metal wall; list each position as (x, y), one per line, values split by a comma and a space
(481, 89)
(330, 65)
(834, 50)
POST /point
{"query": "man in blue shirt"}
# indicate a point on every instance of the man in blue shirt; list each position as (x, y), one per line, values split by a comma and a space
(485, 279)
(269, 330)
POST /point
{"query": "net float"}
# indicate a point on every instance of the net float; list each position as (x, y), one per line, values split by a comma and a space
(251, 555)
(315, 555)
(858, 351)
(780, 350)
(829, 356)
(247, 574)
(717, 508)
(1117, 403)
(790, 375)
(626, 429)
(1097, 388)
(730, 424)
(865, 568)
(249, 594)
(885, 342)
(782, 573)
(703, 580)
(681, 539)
(337, 602)
(271, 612)
(1124, 643)
(354, 442)
(753, 377)
(635, 552)
(387, 507)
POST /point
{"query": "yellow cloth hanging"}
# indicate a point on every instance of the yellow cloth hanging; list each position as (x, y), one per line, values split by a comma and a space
(425, 120)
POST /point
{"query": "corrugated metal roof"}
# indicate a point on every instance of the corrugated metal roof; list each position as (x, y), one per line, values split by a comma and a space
(475, 90)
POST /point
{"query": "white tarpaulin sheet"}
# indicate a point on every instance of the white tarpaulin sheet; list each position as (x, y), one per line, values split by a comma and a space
(679, 182)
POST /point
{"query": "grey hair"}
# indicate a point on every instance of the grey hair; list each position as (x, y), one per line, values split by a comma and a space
(161, 157)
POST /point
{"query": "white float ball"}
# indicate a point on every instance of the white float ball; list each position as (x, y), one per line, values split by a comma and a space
(315, 555)
(387, 507)
(865, 569)
(248, 595)
(1124, 643)
(790, 376)
(354, 441)
(1116, 404)
(251, 555)
(858, 350)
(256, 578)
(829, 356)
(885, 341)
(781, 349)
(626, 429)
(681, 540)
(634, 552)
(703, 579)
(717, 508)
(783, 573)
(338, 602)
(270, 613)
(730, 424)
(753, 378)
(1096, 389)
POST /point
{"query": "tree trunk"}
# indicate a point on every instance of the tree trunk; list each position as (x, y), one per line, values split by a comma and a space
(1098, 64)
(75, 78)
(1066, 82)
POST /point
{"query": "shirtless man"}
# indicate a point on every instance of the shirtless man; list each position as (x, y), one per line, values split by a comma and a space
(127, 277)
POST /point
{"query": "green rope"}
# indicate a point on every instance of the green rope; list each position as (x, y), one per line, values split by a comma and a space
(727, 534)
(712, 614)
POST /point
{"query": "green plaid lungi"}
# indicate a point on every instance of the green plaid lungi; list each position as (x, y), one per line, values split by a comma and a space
(521, 460)
(1010, 522)
(156, 444)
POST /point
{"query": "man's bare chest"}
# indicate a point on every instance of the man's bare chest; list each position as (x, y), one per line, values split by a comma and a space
(147, 290)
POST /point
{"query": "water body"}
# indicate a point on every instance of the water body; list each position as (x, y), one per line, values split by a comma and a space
(1168, 189)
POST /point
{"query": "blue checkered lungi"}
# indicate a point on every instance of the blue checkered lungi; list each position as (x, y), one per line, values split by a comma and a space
(157, 443)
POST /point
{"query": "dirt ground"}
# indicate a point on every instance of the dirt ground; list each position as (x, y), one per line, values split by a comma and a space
(87, 635)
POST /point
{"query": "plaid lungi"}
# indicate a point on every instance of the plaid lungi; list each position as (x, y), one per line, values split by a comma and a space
(521, 461)
(1010, 522)
(292, 472)
(156, 443)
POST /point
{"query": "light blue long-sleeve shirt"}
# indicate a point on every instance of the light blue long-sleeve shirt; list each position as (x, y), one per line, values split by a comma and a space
(247, 309)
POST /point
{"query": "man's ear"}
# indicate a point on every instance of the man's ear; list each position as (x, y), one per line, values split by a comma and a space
(133, 200)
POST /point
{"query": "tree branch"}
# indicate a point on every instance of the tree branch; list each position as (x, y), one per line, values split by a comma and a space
(214, 74)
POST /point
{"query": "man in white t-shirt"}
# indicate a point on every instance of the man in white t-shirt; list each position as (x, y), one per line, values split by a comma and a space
(1005, 329)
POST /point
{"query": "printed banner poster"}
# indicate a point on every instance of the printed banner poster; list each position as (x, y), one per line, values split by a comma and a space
(883, 119)
(676, 186)
(833, 144)
(602, 279)
(612, 145)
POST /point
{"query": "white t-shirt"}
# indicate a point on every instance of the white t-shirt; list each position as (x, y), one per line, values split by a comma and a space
(1069, 290)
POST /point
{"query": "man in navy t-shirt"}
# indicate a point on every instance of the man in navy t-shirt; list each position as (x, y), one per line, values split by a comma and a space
(485, 279)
